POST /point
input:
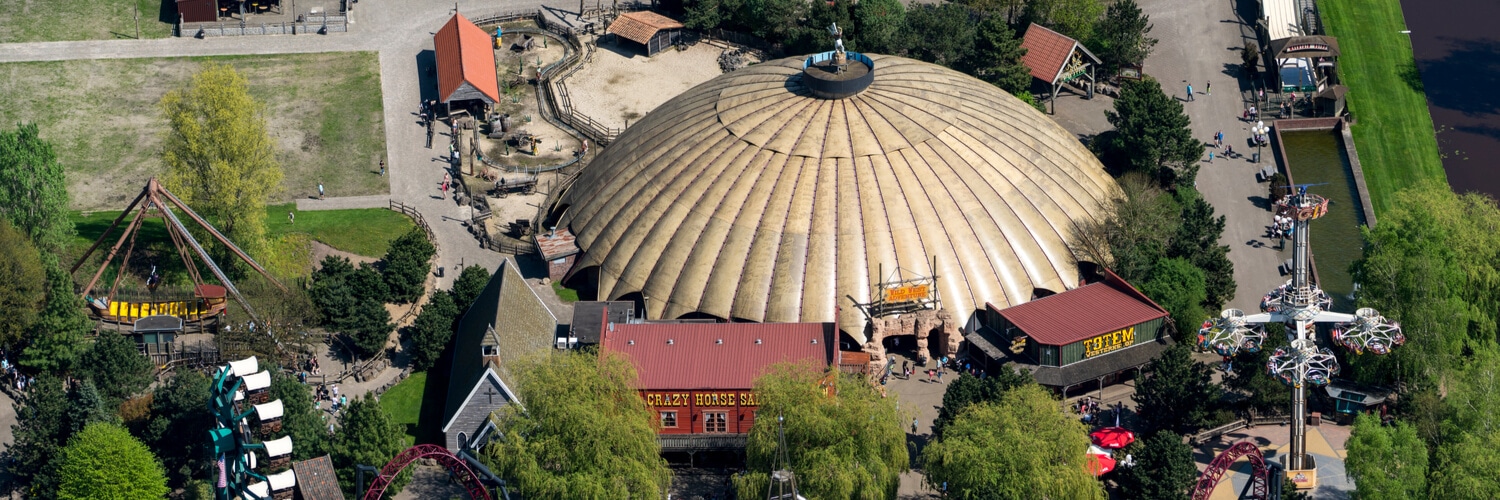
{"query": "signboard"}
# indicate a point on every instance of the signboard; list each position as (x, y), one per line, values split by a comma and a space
(1109, 342)
(906, 293)
(674, 399)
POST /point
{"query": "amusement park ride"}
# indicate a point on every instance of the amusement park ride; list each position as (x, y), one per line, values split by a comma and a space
(234, 446)
(1300, 305)
(207, 305)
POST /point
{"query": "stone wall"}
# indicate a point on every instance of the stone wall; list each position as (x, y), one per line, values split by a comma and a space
(927, 325)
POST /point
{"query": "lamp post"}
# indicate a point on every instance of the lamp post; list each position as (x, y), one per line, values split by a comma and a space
(1258, 130)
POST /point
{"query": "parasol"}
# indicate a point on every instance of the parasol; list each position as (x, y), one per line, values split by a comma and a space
(1101, 462)
(1112, 438)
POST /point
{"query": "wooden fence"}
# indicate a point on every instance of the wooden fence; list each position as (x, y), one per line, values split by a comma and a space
(308, 25)
(416, 216)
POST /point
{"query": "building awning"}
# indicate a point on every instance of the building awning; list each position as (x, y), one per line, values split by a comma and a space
(640, 26)
(1304, 46)
(702, 442)
(987, 342)
(1100, 366)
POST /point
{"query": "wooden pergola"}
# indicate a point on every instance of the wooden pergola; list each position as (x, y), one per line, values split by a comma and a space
(1056, 59)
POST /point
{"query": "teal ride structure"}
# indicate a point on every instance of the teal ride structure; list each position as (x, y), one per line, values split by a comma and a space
(241, 390)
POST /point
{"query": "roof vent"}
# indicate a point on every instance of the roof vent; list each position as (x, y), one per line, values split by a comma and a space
(757, 341)
(630, 343)
(815, 341)
(669, 342)
(720, 341)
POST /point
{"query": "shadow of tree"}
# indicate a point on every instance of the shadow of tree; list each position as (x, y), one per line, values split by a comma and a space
(1463, 80)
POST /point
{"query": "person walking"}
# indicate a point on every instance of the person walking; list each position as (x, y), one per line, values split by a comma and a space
(1208, 88)
(1210, 156)
(1190, 92)
(320, 190)
(291, 217)
(913, 425)
(382, 167)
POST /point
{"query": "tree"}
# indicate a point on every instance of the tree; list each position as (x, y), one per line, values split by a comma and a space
(1072, 18)
(1197, 240)
(104, 461)
(584, 433)
(1465, 467)
(1178, 286)
(88, 407)
(468, 286)
(299, 418)
(1153, 134)
(997, 56)
(1177, 395)
(1134, 234)
(1250, 57)
(351, 301)
(1121, 38)
(369, 327)
(1164, 468)
(178, 414)
(1265, 394)
(40, 432)
(968, 389)
(878, 24)
(406, 265)
(116, 366)
(843, 441)
(368, 436)
(23, 283)
(1022, 447)
(33, 187)
(220, 158)
(702, 14)
(57, 337)
(432, 331)
(942, 34)
(1386, 462)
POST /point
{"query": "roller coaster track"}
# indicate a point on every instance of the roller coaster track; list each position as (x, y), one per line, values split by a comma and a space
(1259, 478)
(455, 466)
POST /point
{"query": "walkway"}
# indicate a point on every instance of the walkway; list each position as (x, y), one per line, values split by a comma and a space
(344, 202)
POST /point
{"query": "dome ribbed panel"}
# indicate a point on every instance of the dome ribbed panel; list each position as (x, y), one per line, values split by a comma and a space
(746, 197)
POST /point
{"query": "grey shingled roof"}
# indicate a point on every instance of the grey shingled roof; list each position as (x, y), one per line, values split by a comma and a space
(507, 314)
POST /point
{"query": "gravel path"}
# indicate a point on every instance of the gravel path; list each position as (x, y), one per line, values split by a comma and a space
(344, 202)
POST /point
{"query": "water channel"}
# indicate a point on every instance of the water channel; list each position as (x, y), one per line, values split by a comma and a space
(1317, 157)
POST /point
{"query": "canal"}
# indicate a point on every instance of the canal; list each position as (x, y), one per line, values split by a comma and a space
(1317, 157)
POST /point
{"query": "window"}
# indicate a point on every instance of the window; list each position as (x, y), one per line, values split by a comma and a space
(669, 419)
(715, 422)
(491, 350)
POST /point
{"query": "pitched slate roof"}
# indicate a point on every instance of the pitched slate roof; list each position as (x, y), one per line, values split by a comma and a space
(508, 315)
(640, 26)
(316, 479)
(717, 355)
(1047, 52)
(1083, 312)
(464, 56)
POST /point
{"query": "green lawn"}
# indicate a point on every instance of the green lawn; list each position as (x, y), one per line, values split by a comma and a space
(60, 20)
(1393, 130)
(565, 293)
(364, 231)
(323, 111)
(404, 403)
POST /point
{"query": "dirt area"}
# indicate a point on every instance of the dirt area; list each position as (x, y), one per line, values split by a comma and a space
(320, 250)
(504, 210)
(323, 111)
(621, 84)
(516, 68)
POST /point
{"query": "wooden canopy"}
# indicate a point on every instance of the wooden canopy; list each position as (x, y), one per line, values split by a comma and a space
(465, 62)
(639, 27)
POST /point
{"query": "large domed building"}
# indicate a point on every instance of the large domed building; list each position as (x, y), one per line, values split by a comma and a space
(782, 193)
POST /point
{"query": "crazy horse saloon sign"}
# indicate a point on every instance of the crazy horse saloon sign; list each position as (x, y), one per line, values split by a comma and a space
(1112, 341)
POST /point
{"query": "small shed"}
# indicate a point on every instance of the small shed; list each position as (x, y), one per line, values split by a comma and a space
(1331, 101)
(1055, 59)
(465, 63)
(198, 11)
(653, 30)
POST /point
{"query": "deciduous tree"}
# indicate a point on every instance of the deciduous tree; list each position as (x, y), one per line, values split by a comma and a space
(406, 266)
(220, 158)
(942, 33)
(23, 284)
(1021, 447)
(33, 188)
(1164, 468)
(968, 389)
(1178, 393)
(584, 432)
(1386, 462)
(1122, 38)
(878, 25)
(105, 461)
(1177, 285)
(1073, 18)
(842, 439)
(1153, 134)
(367, 436)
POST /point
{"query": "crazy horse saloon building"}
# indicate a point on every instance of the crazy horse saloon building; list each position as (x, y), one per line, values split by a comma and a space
(697, 377)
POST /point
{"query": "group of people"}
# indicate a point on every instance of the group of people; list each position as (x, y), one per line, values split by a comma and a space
(330, 393)
(18, 380)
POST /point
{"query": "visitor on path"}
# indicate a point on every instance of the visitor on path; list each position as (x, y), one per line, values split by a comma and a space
(1229, 151)
(913, 425)
(1208, 88)
(929, 376)
(320, 190)
(1190, 92)
(940, 375)
(382, 167)
(1210, 156)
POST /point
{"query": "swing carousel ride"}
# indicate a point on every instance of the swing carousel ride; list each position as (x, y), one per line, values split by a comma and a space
(201, 310)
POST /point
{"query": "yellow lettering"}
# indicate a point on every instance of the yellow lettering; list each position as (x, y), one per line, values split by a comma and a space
(698, 399)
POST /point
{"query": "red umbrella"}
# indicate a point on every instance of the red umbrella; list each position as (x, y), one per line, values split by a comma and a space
(1112, 438)
(1100, 464)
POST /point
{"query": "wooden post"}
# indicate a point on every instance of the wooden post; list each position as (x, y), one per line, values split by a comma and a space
(137, 19)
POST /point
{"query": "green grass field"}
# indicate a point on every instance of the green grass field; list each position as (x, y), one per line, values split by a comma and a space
(62, 20)
(366, 231)
(323, 111)
(404, 403)
(1393, 131)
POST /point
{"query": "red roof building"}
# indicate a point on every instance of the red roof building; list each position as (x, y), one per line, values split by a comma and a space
(1056, 59)
(1085, 334)
(698, 377)
(465, 62)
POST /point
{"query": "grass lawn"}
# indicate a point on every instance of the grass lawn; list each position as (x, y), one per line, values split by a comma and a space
(1394, 133)
(323, 111)
(404, 404)
(366, 231)
(61, 20)
(565, 293)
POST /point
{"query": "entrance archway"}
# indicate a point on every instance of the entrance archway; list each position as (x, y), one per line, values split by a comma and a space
(455, 466)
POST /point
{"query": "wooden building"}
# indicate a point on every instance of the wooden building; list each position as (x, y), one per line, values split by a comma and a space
(697, 377)
(654, 31)
(1055, 59)
(1090, 334)
(465, 64)
(198, 11)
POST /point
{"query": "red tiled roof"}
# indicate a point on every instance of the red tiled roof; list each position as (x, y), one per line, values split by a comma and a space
(464, 54)
(1083, 312)
(640, 26)
(1046, 51)
(559, 244)
(696, 360)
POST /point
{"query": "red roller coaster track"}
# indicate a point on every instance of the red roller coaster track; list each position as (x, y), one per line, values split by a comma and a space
(455, 465)
(1216, 469)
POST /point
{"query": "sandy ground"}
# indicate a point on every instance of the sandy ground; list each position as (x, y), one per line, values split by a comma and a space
(621, 84)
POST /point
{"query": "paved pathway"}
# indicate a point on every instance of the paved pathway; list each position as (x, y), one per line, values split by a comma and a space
(344, 202)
